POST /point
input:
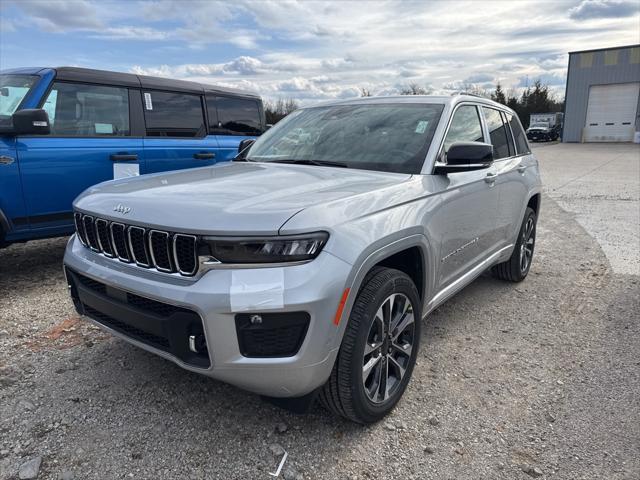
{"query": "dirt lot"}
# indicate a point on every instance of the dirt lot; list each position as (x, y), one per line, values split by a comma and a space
(539, 379)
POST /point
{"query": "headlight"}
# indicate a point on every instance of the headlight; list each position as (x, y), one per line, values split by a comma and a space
(290, 248)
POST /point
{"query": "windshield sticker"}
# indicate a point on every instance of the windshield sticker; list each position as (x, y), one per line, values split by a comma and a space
(104, 128)
(148, 104)
(422, 126)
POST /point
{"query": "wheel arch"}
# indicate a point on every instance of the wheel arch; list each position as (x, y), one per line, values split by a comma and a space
(391, 254)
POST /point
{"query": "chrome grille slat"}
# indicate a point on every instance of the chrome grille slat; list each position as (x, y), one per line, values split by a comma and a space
(185, 253)
(138, 246)
(104, 239)
(166, 252)
(90, 233)
(159, 247)
(77, 219)
(119, 241)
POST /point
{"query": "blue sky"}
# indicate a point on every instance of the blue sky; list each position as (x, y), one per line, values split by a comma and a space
(313, 50)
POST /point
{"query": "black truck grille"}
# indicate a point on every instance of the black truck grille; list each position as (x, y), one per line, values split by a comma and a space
(164, 251)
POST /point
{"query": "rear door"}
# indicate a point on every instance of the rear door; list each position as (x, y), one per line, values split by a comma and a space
(514, 168)
(233, 119)
(176, 132)
(89, 142)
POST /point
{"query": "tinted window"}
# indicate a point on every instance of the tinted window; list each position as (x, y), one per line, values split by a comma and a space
(512, 148)
(236, 116)
(87, 110)
(497, 133)
(384, 137)
(465, 127)
(169, 114)
(518, 133)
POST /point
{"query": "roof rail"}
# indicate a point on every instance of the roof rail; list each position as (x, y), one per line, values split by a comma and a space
(462, 92)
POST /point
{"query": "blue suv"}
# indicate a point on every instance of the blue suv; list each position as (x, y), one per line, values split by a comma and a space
(65, 129)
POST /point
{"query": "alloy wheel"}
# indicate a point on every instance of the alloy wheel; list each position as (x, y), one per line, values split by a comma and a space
(526, 246)
(387, 352)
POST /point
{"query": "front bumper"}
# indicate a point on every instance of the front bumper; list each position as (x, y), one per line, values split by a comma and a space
(217, 298)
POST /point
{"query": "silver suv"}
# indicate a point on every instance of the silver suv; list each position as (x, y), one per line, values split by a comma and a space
(303, 269)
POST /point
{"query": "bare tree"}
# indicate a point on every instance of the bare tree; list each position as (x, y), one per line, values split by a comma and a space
(365, 92)
(415, 89)
(276, 111)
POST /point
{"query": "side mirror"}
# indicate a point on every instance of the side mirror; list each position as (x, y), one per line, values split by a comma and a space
(243, 148)
(32, 121)
(467, 156)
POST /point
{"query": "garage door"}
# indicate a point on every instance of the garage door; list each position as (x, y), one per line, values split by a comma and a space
(611, 113)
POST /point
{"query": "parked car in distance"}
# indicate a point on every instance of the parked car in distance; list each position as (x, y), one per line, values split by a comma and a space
(304, 268)
(65, 129)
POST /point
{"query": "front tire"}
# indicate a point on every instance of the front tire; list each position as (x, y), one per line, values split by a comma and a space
(378, 350)
(517, 267)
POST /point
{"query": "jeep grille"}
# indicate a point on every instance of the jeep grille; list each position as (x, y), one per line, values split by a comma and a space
(148, 248)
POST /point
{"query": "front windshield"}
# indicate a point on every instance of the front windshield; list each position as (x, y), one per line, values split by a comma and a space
(385, 137)
(13, 89)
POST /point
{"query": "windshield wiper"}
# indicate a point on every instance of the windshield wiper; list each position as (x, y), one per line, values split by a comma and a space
(321, 163)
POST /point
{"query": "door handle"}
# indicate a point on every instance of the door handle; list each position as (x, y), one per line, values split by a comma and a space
(123, 157)
(204, 156)
(4, 160)
(491, 178)
(522, 168)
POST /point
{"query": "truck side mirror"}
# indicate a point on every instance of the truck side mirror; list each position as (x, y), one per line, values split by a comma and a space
(31, 121)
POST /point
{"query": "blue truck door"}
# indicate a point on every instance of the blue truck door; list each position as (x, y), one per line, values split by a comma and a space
(12, 210)
(90, 141)
(233, 119)
(176, 133)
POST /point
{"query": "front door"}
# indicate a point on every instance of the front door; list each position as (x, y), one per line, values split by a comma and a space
(89, 143)
(465, 217)
(12, 211)
(176, 132)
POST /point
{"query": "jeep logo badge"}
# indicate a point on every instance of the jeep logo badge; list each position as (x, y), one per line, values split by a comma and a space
(121, 209)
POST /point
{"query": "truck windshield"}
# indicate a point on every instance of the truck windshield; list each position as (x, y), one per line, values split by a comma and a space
(382, 136)
(13, 89)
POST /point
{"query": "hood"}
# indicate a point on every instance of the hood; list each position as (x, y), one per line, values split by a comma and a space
(228, 198)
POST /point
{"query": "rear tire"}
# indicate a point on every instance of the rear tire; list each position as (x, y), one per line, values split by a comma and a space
(517, 267)
(378, 350)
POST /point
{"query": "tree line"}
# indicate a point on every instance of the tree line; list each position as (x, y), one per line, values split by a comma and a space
(537, 98)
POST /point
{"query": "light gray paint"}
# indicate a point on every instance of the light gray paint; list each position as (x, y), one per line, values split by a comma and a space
(368, 215)
(580, 79)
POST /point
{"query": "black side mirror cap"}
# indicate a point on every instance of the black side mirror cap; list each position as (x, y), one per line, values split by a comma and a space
(243, 148)
(31, 121)
(466, 157)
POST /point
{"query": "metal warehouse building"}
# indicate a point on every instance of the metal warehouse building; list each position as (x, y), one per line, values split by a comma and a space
(602, 97)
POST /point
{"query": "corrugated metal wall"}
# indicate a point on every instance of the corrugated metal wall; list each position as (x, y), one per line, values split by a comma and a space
(602, 67)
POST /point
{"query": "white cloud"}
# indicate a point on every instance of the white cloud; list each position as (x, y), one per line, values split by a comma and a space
(323, 50)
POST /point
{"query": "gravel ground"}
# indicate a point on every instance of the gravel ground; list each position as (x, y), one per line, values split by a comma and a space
(539, 379)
